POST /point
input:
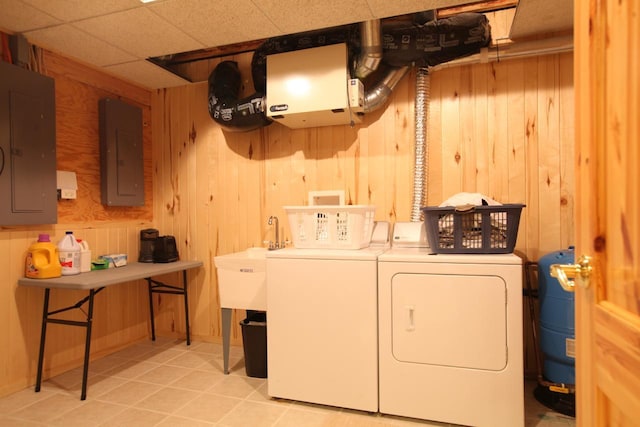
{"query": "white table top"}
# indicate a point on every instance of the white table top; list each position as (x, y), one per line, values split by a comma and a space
(111, 276)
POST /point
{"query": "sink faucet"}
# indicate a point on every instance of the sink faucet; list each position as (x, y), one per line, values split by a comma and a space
(275, 245)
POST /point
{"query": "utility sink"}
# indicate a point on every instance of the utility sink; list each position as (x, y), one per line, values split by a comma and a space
(242, 279)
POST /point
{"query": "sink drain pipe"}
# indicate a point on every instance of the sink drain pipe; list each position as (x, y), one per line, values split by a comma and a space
(421, 160)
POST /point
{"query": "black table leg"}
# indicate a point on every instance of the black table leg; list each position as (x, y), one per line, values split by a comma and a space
(157, 287)
(46, 318)
(153, 321)
(87, 345)
(186, 306)
(43, 334)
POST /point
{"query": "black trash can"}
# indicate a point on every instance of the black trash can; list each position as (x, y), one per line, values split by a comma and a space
(254, 342)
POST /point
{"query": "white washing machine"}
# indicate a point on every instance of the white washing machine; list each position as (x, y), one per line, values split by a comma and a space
(322, 333)
(450, 337)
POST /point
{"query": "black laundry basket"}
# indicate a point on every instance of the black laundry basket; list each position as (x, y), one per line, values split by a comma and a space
(473, 230)
(254, 343)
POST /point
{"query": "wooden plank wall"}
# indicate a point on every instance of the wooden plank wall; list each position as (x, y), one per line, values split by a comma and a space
(503, 129)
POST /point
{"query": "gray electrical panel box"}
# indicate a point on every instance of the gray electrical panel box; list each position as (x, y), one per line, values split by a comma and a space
(27, 147)
(121, 154)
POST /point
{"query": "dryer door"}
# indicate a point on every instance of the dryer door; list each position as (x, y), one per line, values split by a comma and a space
(450, 320)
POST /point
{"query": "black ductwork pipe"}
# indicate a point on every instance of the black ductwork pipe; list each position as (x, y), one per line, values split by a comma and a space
(436, 41)
(231, 113)
(421, 41)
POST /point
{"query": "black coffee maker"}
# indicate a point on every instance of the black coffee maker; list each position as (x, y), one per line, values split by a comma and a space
(147, 244)
(165, 249)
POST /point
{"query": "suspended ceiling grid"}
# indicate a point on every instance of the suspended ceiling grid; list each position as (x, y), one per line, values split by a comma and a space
(118, 36)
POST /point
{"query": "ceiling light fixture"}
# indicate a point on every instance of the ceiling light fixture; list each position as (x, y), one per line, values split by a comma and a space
(147, 1)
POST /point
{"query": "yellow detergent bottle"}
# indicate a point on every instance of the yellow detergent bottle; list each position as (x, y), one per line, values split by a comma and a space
(42, 260)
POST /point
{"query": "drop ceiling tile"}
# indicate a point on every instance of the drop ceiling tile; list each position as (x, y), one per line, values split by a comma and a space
(145, 74)
(293, 16)
(17, 17)
(217, 23)
(386, 8)
(73, 10)
(139, 32)
(534, 17)
(72, 42)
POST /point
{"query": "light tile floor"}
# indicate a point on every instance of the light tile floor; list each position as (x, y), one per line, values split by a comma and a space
(167, 383)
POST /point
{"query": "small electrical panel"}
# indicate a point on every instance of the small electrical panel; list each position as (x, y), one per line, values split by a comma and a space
(121, 154)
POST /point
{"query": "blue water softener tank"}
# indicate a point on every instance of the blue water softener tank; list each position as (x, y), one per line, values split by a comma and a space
(557, 327)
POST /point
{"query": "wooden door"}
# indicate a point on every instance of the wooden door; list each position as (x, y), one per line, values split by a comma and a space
(607, 83)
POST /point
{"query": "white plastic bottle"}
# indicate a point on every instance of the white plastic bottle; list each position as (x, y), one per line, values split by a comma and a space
(85, 256)
(69, 250)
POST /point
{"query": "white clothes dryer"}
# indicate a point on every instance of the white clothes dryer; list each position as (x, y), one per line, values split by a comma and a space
(450, 337)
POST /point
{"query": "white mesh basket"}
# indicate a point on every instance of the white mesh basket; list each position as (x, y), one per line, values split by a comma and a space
(331, 227)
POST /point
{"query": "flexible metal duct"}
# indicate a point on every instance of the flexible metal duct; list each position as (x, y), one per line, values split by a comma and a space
(421, 160)
(377, 94)
(370, 49)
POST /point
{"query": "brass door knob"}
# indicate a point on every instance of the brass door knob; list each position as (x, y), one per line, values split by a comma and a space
(567, 273)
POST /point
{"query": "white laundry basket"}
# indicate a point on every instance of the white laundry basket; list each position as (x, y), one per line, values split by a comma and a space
(331, 226)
